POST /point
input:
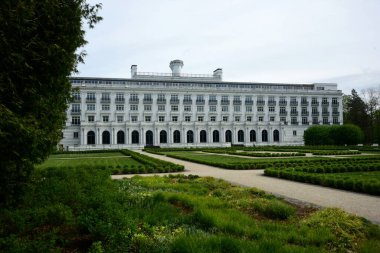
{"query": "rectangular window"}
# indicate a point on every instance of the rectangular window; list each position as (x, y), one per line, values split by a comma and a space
(76, 96)
(161, 118)
(187, 118)
(119, 107)
(120, 97)
(294, 133)
(91, 118)
(293, 110)
(225, 118)
(134, 98)
(90, 107)
(314, 100)
(261, 118)
(335, 120)
(134, 107)
(314, 110)
(282, 109)
(237, 118)
(200, 99)
(237, 108)
(304, 121)
(91, 96)
(260, 109)
(76, 135)
(187, 108)
(200, 108)
(325, 120)
(75, 120)
(272, 118)
(315, 120)
(225, 99)
(174, 108)
(271, 108)
(105, 107)
(187, 98)
(225, 108)
(248, 108)
(75, 107)
(294, 121)
(213, 118)
(148, 118)
(212, 98)
(283, 119)
(334, 101)
(304, 110)
(105, 118)
(174, 98)
(212, 108)
(148, 97)
(147, 107)
(249, 118)
(161, 97)
(134, 118)
(175, 118)
(161, 108)
(120, 119)
(200, 118)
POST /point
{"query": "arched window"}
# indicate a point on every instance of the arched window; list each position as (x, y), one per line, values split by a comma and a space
(120, 137)
(252, 136)
(106, 137)
(215, 136)
(264, 136)
(203, 136)
(190, 136)
(240, 136)
(91, 138)
(149, 138)
(176, 136)
(163, 137)
(135, 137)
(276, 135)
(228, 136)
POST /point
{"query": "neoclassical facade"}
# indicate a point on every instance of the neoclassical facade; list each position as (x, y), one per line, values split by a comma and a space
(189, 110)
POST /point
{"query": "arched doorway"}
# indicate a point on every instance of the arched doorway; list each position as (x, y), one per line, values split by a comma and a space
(163, 137)
(240, 136)
(215, 136)
(252, 136)
(135, 137)
(91, 138)
(149, 138)
(203, 136)
(106, 137)
(120, 137)
(176, 137)
(190, 136)
(276, 135)
(264, 136)
(228, 136)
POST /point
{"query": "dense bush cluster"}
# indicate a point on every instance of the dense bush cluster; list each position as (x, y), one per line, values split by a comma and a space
(333, 135)
(333, 174)
(253, 154)
(334, 152)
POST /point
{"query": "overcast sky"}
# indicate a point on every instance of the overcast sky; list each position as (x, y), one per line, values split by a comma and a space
(289, 41)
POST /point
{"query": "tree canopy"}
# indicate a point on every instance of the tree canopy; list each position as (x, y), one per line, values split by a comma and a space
(38, 51)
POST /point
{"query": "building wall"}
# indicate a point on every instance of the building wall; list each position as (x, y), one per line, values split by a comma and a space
(293, 111)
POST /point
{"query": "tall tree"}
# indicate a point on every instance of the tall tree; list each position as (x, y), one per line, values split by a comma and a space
(357, 112)
(38, 45)
(371, 97)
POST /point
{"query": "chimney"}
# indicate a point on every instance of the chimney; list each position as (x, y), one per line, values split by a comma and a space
(176, 67)
(218, 74)
(133, 71)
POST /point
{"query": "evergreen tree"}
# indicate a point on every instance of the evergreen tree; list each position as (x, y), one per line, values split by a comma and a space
(38, 43)
(357, 113)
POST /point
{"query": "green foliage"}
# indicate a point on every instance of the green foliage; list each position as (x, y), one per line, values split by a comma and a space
(38, 43)
(333, 135)
(83, 210)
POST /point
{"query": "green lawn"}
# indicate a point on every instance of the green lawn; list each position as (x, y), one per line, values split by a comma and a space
(83, 210)
(93, 159)
(202, 157)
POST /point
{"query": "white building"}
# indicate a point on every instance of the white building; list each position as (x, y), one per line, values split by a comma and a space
(187, 110)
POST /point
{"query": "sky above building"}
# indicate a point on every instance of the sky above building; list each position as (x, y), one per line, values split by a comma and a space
(286, 41)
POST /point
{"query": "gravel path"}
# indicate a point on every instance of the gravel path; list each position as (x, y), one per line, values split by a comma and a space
(360, 204)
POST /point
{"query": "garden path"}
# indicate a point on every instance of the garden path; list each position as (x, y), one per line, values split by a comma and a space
(360, 204)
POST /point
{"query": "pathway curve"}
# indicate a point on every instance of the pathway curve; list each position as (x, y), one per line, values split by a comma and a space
(360, 204)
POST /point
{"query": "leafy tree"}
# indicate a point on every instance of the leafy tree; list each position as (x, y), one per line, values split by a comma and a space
(333, 135)
(38, 44)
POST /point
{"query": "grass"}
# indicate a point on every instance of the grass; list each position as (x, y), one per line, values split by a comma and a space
(81, 210)
(97, 159)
